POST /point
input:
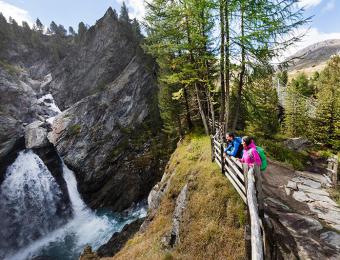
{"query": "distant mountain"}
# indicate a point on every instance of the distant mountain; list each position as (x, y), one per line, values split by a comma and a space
(314, 56)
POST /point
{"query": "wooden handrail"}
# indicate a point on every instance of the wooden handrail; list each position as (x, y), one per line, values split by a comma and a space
(247, 182)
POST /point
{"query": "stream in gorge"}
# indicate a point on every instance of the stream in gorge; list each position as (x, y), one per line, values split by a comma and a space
(37, 224)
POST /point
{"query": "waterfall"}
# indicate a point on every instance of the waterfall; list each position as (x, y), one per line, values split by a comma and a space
(29, 181)
(33, 219)
(29, 201)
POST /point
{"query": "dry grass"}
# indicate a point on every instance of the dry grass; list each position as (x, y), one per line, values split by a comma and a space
(213, 222)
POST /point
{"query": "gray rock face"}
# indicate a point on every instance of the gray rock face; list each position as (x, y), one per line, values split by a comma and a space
(109, 133)
(297, 143)
(108, 47)
(36, 135)
(173, 237)
(100, 138)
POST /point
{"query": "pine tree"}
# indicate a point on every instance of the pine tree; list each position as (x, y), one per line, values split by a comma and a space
(124, 14)
(53, 28)
(327, 122)
(71, 31)
(82, 29)
(296, 121)
(262, 104)
(302, 85)
(39, 26)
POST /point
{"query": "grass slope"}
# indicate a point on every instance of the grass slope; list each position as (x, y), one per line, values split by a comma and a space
(213, 222)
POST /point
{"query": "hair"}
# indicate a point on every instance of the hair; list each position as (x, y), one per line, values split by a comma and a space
(231, 134)
(246, 140)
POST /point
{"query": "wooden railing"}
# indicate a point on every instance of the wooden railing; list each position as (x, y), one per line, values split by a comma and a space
(248, 183)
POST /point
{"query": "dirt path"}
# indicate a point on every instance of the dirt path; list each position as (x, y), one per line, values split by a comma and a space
(303, 222)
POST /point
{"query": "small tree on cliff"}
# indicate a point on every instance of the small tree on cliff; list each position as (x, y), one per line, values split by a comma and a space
(124, 14)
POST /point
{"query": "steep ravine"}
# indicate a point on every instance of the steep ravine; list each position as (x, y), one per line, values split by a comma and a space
(110, 131)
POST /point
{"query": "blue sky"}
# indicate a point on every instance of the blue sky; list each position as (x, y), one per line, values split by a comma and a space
(325, 23)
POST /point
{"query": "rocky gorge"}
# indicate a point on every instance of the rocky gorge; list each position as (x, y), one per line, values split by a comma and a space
(108, 128)
(106, 87)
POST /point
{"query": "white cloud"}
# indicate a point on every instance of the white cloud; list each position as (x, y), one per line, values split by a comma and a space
(136, 8)
(15, 12)
(308, 3)
(329, 6)
(313, 35)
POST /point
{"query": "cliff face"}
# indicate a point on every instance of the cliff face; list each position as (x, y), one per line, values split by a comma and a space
(109, 132)
(101, 56)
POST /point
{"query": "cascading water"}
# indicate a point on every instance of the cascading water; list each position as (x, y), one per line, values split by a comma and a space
(30, 198)
(68, 240)
(33, 219)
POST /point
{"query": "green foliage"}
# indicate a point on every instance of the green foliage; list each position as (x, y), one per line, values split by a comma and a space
(276, 150)
(124, 14)
(296, 121)
(74, 130)
(262, 105)
(302, 85)
(327, 121)
(11, 69)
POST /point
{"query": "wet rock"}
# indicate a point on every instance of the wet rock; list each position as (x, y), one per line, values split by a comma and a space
(10, 155)
(332, 238)
(118, 239)
(88, 254)
(36, 135)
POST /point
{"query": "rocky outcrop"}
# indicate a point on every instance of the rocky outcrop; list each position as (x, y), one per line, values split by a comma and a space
(107, 48)
(88, 254)
(106, 139)
(119, 239)
(170, 239)
(297, 143)
(36, 135)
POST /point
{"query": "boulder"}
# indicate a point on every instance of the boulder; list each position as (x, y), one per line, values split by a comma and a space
(297, 143)
(118, 239)
(36, 135)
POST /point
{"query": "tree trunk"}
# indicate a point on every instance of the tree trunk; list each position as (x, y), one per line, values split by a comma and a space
(222, 61)
(192, 60)
(242, 72)
(227, 67)
(200, 108)
(187, 114)
(180, 129)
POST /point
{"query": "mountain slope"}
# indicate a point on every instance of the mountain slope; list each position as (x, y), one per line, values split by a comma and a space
(315, 55)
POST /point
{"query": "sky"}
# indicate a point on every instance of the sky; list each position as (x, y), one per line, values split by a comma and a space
(324, 25)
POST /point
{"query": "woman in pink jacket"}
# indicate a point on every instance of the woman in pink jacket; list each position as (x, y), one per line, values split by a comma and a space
(250, 155)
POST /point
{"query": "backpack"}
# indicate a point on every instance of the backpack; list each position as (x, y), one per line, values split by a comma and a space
(263, 157)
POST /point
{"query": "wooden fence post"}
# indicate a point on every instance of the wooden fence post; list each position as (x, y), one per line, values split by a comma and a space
(222, 157)
(255, 221)
(212, 148)
(258, 184)
(248, 228)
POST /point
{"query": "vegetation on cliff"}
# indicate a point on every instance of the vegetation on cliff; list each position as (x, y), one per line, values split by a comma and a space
(212, 226)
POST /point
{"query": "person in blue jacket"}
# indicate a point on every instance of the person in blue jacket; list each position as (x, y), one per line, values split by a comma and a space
(234, 147)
